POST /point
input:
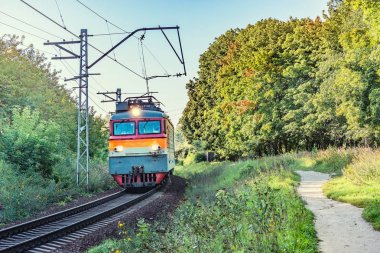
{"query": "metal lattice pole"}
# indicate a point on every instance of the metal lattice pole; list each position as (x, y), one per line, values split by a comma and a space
(83, 141)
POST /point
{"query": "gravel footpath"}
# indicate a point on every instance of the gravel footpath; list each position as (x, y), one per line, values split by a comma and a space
(339, 226)
(172, 195)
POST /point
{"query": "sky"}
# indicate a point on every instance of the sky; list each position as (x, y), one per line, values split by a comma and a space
(200, 22)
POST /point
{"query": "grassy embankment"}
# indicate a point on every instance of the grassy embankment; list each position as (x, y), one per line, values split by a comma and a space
(249, 206)
(24, 194)
(252, 205)
(356, 179)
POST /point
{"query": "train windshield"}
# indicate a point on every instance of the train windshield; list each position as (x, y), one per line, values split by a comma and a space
(150, 127)
(124, 128)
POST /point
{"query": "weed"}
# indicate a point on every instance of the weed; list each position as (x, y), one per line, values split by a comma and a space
(248, 206)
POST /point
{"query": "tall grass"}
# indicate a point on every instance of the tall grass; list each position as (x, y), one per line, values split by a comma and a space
(365, 168)
(359, 184)
(252, 206)
(24, 194)
(331, 161)
(356, 174)
(249, 206)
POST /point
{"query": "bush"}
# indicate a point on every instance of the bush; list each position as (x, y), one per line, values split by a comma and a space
(21, 196)
(100, 179)
(194, 158)
(30, 143)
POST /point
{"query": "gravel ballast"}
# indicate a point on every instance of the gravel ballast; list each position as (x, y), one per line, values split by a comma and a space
(170, 197)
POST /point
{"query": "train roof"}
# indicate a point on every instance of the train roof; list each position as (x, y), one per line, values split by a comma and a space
(143, 114)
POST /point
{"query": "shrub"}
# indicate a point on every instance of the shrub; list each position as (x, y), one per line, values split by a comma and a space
(194, 158)
(30, 143)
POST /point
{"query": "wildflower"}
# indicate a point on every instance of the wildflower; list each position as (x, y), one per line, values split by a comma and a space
(121, 224)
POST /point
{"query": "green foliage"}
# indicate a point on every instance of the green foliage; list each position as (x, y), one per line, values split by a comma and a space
(246, 206)
(30, 143)
(332, 160)
(372, 214)
(22, 196)
(365, 169)
(194, 158)
(100, 179)
(26, 80)
(357, 181)
(38, 136)
(278, 86)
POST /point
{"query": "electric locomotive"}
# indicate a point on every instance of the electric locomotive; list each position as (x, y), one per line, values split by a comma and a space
(141, 143)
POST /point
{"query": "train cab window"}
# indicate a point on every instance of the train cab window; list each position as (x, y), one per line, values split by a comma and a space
(150, 127)
(124, 128)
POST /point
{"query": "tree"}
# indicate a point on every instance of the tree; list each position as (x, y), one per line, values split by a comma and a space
(279, 86)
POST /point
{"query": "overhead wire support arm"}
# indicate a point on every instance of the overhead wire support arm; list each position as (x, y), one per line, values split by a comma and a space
(167, 39)
(111, 99)
(183, 58)
(129, 36)
(77, 77)
(58, 44)
(62, 42)
(75, 35)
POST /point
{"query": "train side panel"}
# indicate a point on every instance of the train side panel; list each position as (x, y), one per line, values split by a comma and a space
(170, 145)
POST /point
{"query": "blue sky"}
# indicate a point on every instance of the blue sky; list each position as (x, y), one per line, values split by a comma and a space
(200, 22)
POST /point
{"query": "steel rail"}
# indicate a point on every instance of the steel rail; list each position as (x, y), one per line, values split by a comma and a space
(64, 230)
(56, 216)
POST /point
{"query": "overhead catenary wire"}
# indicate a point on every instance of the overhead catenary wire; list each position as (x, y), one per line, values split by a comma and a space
(42, 38)
(108, 28)
(60, 13)
(143, 63)
(30, 25)
(13, 27)
(106, 34)
(97, 14)
(77, 36)
(68, 67)
(29, 47)
(155, 58)
(73, 71)
(34, 35)
(124, 32)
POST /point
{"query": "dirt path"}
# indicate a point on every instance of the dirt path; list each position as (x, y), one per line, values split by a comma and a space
(340, 226)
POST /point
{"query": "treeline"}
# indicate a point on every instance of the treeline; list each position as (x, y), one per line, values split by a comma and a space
(280, 86)
(38, 114)
(38, 131)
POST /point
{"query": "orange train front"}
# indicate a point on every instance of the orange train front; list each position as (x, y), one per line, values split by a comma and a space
(141, 143)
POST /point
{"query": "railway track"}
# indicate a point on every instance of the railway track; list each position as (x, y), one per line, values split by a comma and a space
(26, 236)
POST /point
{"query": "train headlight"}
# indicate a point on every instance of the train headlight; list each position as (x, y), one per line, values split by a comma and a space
(156, 148)
(119, 149)
(136, 111)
